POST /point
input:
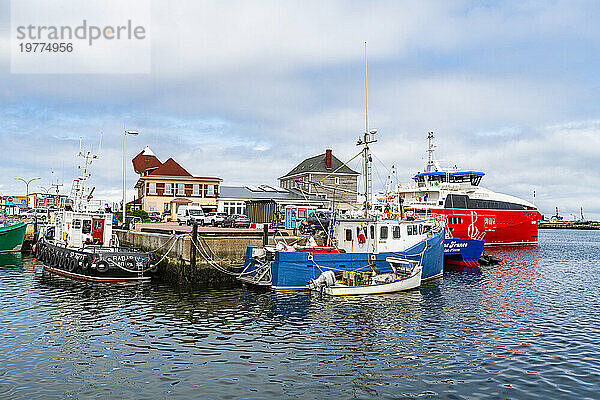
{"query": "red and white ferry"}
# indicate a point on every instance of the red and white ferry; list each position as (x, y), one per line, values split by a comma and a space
(469, 210)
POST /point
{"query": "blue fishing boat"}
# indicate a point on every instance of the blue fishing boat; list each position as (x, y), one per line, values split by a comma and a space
(353, 244)
(292, 268)
(462, 252)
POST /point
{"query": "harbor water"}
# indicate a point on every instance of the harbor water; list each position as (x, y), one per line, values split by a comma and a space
(527, 328)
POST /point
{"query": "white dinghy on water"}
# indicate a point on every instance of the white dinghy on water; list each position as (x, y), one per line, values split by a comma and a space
(406, 275)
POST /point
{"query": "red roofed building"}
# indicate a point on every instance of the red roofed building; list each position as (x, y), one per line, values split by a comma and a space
(164, 187)
(145, 162)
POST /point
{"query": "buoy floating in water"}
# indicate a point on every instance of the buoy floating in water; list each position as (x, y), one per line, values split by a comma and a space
(489, 260)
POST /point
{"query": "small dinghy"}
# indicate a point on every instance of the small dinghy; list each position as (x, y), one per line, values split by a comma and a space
(406, 275)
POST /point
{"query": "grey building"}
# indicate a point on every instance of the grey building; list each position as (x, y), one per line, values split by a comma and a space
(268, 204)
(327, 177)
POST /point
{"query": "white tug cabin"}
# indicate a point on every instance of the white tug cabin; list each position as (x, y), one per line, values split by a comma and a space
(78, 228)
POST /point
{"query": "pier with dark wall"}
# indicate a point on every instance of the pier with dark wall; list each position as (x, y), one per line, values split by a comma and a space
(227, 251)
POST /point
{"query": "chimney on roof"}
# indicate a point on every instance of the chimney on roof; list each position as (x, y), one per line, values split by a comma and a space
(328, 158)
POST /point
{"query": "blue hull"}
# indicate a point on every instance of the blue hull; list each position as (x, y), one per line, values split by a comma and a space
(463, 251)
(294, 270)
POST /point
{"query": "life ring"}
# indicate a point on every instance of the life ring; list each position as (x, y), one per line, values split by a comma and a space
(361, 238)
(102, 266)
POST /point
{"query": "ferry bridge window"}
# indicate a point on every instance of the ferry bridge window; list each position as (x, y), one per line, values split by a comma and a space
(76, 224)
(475, 179)
(97, 225)
(87, 226)
(409, 229)
(348, 235)
(301, 213)
(383, 232)
(372, 232)
(396, 232)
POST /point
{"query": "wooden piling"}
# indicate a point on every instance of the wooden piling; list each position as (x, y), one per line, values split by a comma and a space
(265, 234)
(194, 244)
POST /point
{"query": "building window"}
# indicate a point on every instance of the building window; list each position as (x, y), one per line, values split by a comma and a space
(152, 188)
(168, 189)
(383, 232)
(180, 189)
(210, 192)
(337, 180)
(196, 189)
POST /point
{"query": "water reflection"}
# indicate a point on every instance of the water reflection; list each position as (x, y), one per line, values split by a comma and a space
(524, 328)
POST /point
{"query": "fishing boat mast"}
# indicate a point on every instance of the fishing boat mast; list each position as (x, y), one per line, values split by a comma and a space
(79, 184)
(368, 137)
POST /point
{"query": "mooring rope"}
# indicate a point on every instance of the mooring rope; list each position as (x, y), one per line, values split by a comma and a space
(212, 262)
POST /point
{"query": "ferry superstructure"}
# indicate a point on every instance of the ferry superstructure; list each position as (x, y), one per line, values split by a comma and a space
(469, 210)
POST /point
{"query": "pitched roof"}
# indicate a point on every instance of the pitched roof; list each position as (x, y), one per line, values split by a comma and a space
(317, 164)
(145, 160)
(259, 193)
(170, 168)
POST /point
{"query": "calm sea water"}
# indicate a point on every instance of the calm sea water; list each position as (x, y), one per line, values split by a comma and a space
(527, 328)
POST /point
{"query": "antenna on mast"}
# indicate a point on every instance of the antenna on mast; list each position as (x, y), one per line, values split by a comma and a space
(430, 150)
(368, 137)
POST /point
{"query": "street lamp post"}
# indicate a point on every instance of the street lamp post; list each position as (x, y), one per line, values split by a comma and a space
(27, 182)
(125, 133)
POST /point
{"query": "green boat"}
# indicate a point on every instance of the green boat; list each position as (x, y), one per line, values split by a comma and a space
(11, 237)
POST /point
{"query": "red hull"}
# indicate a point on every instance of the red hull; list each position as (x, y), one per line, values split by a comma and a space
(496, 227)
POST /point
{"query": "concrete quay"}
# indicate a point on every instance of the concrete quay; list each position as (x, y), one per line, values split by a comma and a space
(217, 248)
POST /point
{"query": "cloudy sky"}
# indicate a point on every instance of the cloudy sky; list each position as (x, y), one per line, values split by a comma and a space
(246, 90)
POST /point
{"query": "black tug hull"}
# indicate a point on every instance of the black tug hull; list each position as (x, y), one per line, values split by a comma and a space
(95, 263)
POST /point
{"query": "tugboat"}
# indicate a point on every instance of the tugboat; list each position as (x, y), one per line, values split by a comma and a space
(361, 244)
(79, 243)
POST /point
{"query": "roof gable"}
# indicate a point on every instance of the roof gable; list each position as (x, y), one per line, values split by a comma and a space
(170, 168)
(144, 161)
(317, 164)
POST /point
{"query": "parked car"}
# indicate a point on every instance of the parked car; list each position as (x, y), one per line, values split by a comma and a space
(35, 212)
(214, 218)
(155, 216)
(189, 215)
(236, 221)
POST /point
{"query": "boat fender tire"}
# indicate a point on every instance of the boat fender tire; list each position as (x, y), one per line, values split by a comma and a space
(86, 263)
(102, 266)
(73, 264)
(62, 261)
(130, 264)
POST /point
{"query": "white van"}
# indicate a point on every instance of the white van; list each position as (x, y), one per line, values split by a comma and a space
(190, 214)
